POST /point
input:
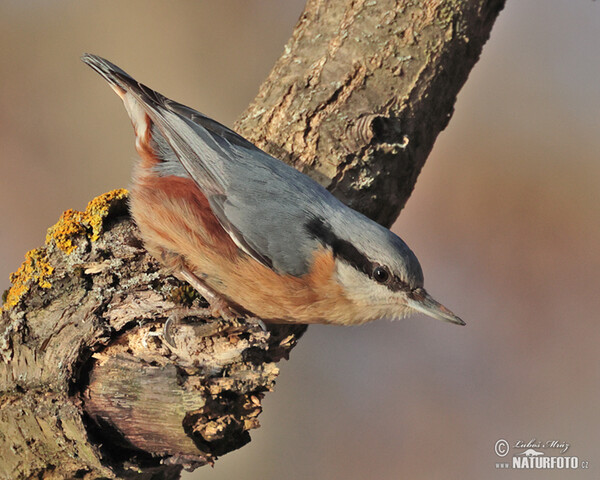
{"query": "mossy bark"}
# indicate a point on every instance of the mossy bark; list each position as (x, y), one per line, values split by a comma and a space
(356, 100)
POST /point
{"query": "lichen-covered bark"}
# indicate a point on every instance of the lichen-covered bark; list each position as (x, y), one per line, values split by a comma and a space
(86, 389)
(89, 391)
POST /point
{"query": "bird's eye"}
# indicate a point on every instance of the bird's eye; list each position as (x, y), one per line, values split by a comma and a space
(381, 274)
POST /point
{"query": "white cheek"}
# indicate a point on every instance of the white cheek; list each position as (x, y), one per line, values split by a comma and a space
(361, 289)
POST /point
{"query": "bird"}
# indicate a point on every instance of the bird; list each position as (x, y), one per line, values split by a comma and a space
(253, 235)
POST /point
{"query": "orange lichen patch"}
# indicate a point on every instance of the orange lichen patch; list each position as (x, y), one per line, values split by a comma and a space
(98, 209)
(63, 232)
(35, 269)
(73, 223)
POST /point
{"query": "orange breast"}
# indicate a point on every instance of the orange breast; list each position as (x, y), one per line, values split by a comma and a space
(175, 218)
(312, 298)
(179, 228)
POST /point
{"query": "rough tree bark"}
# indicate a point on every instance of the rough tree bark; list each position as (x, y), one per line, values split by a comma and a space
(356, 100)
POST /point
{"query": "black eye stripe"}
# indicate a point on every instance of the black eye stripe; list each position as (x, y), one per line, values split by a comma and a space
(346, 251)
(341, 248)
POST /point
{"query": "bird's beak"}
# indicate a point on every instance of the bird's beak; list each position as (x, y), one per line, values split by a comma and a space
(420, 301)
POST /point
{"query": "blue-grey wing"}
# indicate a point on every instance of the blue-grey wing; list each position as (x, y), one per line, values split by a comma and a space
(260, 201)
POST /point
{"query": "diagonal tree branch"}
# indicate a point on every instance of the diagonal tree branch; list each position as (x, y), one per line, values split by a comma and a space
(356, 100)
(362, 91)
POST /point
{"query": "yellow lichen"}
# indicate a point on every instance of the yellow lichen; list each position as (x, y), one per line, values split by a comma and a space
(63, 232)
(98, 209)
(73, 223)
(35, 268)
(184, 295)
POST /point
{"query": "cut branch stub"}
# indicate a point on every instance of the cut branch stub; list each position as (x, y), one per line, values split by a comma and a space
(89, 344)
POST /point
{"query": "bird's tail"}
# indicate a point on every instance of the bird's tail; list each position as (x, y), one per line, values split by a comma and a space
(121, 82)
(181, 127)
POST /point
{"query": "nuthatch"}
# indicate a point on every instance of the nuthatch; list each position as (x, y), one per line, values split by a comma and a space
(253, 234)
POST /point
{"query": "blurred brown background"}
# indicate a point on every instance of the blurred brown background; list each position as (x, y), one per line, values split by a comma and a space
(504, 218)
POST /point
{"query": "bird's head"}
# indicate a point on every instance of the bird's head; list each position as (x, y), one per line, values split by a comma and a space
(376, 270)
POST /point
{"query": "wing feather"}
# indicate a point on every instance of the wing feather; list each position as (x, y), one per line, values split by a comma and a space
(261, 202)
